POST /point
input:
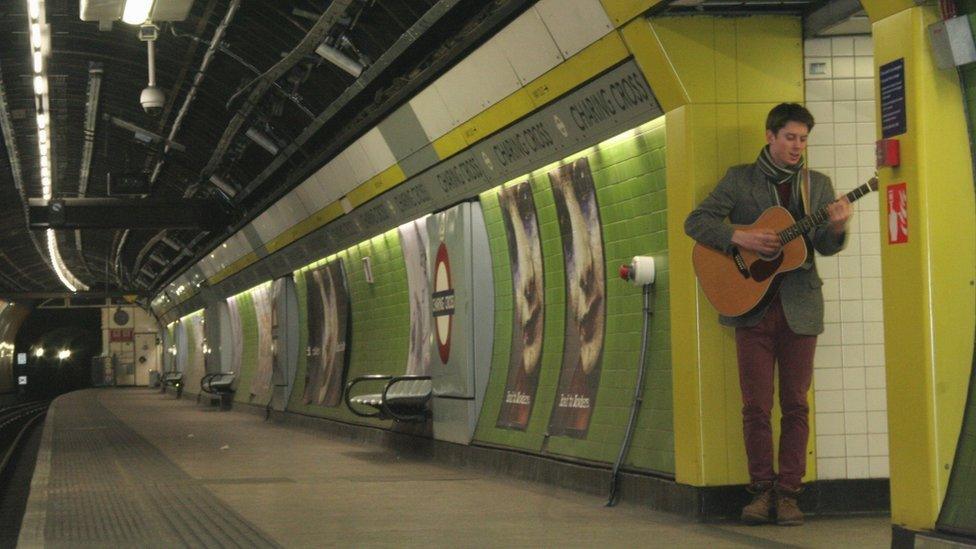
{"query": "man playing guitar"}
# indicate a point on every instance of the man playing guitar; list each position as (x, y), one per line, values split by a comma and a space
(782, 329)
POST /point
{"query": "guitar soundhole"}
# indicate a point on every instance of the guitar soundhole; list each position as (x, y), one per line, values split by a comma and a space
(762, 268)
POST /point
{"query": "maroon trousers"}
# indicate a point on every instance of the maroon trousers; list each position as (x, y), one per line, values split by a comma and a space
(759, 349)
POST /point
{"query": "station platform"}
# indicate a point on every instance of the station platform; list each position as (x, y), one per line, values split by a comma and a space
(132, 467)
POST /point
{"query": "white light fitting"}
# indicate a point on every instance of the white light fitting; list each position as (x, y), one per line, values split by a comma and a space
(137, 12)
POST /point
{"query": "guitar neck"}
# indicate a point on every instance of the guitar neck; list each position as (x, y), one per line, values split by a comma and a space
(820, 216)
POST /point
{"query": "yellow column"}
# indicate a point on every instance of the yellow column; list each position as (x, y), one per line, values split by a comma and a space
(716, 79)
(929, 299)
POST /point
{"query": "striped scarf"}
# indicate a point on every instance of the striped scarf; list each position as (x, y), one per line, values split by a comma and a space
(777, 175)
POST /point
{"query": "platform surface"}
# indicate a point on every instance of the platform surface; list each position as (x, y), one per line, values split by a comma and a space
(132, 467)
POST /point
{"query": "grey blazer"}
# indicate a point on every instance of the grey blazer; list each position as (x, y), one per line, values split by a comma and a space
(741, 196)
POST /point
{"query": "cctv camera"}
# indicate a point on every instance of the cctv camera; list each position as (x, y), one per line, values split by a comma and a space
(152, 99)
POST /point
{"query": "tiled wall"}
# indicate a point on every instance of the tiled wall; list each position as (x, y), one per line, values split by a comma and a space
(849, 370)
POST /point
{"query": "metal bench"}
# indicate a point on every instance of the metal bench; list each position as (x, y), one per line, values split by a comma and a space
(403, 398)
(220, 387)
(174, 380)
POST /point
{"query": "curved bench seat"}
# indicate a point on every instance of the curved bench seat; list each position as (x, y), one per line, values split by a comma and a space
(220, 385)
(174, 380)
(403, 398)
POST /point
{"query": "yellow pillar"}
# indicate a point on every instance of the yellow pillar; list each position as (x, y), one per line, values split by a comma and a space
(716, 79)
(929, 299)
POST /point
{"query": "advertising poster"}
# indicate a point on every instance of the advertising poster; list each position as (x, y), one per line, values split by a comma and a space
(261, 382)
(196, 365)
(525, 257)
(236, 334)
(414, 242)
(579, 226)
(328, 334)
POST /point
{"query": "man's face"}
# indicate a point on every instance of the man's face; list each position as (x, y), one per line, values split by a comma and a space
(787, 145)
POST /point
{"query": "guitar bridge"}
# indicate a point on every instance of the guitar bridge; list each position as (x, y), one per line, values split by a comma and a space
(740, 263)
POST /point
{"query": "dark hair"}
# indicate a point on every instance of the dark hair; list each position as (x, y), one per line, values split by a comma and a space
(785, 113)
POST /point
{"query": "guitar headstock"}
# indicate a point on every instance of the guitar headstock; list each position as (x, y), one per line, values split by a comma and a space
(873, 183)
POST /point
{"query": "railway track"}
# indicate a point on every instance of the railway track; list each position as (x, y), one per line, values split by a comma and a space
(18, 446)
(15, 422)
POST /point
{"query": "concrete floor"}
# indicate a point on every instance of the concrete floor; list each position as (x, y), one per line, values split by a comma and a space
(300, 488)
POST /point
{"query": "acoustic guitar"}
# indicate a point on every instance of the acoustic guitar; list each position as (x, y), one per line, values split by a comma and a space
(736, 283)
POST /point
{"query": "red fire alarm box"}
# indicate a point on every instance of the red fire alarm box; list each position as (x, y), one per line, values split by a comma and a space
(887, 153)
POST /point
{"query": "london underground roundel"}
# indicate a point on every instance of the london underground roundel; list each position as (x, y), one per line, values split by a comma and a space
(442, 302)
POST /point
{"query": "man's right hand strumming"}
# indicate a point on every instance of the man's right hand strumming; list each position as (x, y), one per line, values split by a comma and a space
(761, 241)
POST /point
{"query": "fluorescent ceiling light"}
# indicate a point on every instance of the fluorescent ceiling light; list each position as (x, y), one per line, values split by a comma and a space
(35, 32)
(136, 11)
(38, 62)
(33, 8)
(40, 85)
(41, 121)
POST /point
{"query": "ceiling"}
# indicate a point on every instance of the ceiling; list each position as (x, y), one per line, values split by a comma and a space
(261, 76)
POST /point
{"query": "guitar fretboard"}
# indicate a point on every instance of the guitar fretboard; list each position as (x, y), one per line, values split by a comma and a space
(821, 216)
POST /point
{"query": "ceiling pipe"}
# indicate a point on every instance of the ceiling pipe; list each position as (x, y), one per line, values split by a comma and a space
(223, 185)
(339, 59)
(95, 72)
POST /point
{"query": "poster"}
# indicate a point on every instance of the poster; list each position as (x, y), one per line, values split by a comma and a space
(236, 333)
(525, 258)
(261, 382)
(414, 243)
(582, 239)
(328, 334)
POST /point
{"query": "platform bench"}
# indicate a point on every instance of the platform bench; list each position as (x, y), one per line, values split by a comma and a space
(220, 387)
(403, 398)
(174, 380)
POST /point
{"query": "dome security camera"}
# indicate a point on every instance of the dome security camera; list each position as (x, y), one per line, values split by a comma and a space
(152, 99)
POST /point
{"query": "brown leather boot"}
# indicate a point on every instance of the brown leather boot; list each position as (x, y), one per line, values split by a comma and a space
(759, 511)
(787, 510)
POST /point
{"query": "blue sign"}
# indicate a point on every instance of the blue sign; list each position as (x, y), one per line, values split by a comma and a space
(891, 78)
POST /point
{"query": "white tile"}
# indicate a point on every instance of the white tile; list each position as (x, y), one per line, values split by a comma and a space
(852, 249)
(827, 266)
(871, 289)
(844, 89)
(820, 68)
(845, 111)
(857, 467)
(816, 47)
(878, 445)
(876, 400)
(865, 111)
(853, 356)
(874, 355)
(870, 265)
(828, 356)
(866, 156)
(874, 377)
(874, 311)
(842, 67)
(864, 67)
(845, 134)
(845, 155)
(849, 266)
(822, 111)
(831, 424)
(878, 422)
(864, 88)
(854, 400)
(828, 379)
(850, 312)
(830, 401)
(830, 335)
(855, 423)
(863, 175)
(850, 288)
(856, 445)
(878, 466)
(831, 468)
(854, 379)
(821, 90)
(873, 331)
(846, 178)
(866, 132)
(868, 203)
(870, 244)
(853, 227)
(851, 333)
(820, 156)
(831, 446)
(863, 45)
(822, 134)
(831, 289)
(832, 311)
(842, 45)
